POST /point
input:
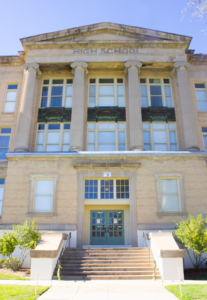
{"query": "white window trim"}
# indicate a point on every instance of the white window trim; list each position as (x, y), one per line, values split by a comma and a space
(99, 188)
(200, 89)
(50, 89)
(31, 209)
(179, 178)
(167, 130)
(46, 131)
(97, 130)
(10, 83)
(162, 88)
(115, 84)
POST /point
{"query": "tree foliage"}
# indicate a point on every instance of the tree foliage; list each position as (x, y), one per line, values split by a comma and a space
(192, 234)
(7, 244)
(199, 10)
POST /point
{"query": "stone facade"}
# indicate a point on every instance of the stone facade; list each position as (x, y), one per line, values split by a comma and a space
(110, 51)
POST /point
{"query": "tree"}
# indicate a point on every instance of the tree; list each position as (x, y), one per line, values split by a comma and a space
(7, 244)
(199, 10)
(27, 236)
(192, 234)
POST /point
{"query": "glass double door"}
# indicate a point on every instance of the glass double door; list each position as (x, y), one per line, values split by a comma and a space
(107, 227)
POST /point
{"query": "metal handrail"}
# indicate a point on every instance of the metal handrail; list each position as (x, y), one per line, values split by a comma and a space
(146, 238)
(63, 249)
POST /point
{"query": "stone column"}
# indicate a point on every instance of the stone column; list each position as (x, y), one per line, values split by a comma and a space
(135, 113)
(77, 122)
(187, 110)
(26, 109)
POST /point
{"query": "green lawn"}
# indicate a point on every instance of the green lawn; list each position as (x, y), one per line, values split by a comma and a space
(11, 277)
(189, 291)
(18, 292)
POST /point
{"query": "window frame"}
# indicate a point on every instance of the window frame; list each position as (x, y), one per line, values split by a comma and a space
(97, 130)
(201, 89)
(99, 188)
(62, 130)
(5, 134)
(33, 179)
(115, 84)
(167, 131)
(162, 89)
(11, 83)
(50, 90)
(181, 197)
(2, 201)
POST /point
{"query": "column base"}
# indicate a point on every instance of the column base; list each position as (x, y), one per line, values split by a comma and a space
(193, 148)
(137, 148)
(21, 150)
(75, 149)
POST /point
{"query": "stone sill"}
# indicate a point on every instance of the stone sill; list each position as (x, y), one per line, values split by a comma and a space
(48, 215)
(165, 214)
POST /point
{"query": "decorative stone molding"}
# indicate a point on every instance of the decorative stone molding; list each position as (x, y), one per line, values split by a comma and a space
(33, 66)
(183, 64)
(130, 64)
(105, 165)
(80, 64)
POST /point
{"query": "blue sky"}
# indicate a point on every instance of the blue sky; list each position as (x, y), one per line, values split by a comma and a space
(24, 18)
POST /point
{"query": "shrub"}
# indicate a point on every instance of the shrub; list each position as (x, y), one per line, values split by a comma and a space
(12, 263)
(1, 262)
(7, 244)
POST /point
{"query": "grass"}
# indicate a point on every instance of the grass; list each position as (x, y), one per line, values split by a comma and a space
(20, 292)
(189, 291)
(11, 277)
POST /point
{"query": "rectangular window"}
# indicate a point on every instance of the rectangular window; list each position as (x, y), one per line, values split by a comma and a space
(106, 136)
(204, 131)
(10, 100)
(2, 181)
(160, 136)
(107, 189)
(170, 195)
(201, 96)
(43, 195)
(53, 137)
(57, 93)
(156, 92)
(4, 141)
(106, 92)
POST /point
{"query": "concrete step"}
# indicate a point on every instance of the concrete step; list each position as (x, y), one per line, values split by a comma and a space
(80, 269)
(103, 273)
(107, 249)
(98, 265)
(108, 277)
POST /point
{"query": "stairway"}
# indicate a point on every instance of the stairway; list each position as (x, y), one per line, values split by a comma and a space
(106, 263)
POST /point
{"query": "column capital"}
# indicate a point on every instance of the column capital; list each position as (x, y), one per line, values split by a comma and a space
(180, 64)
(33, 66)
(130, 64)
(81, 64)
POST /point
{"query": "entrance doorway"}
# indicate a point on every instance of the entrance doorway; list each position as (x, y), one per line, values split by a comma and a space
(107, 227)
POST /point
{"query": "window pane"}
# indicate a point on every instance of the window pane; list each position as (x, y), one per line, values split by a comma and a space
(173, 137)
(106, 137)
(44, 187)
(158, 126)
(107, 90)
(201, 95)
(43, 203)
(168, 101)
(106, 80)
(1, 192)
(91, 101)
(166, 80)
(121, 101)
(120, 90)
(154, 81)
(56, 102)
(40, 137)
(68, 102)
(91, 137)
(169, 186)
(147, 147)
(167, 90)
(11, 96)
(204, 129)
(142, 80)
(57, 81)
(155, 90)
(173, 147)
(39, 148)
(106, 147)
(144, 101)
(145, 126)
(4, 141)
(160, 147)
(200, 85)
(159, 137)
(1, 204)
(91, 126)
(122, 137)
(121, 125)
(120, 80)
(91, 147)
(44, 102)
(202, 106)
(66, 137)
(69, 90)
(122, 147)
(3, 151)
(205, 140)
(12, 86)
(44, 91)
(5, 130)
(146, 137)
(66, 126)
(170, 203)
(54, 126)
(69, 81)
(171, 126)
(53, 137)
(52, 148)
(46, 81)
(57, 91)
(66, 148)
(106, 126)
(106, 101)
(92, 90)
(9, 107)
(143, 90)
(92, 80)
(156, 101)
